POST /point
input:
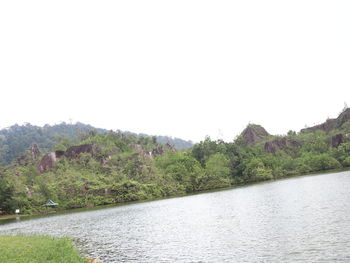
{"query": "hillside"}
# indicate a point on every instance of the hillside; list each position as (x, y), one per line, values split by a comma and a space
(100, 169)
(18, 138)
(15, 140)
(113, 167)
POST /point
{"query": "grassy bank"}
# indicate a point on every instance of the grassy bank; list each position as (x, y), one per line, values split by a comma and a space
(38, 249)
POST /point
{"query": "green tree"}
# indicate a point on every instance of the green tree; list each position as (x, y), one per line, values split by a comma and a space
(217, 165)
(346, 162)
(256, 171)
(217, 172)
(321, 162)
(7, 203)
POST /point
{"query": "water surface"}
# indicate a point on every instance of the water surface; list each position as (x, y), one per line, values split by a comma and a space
(301, 219)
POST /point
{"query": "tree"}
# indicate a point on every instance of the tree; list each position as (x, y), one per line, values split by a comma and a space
(217, 171)
(217, 166)
(7, 203)
(181, 167)
(346, 162)
(321, 162)
(256, 171)
(62, 143)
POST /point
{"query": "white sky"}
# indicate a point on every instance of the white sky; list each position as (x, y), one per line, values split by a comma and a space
(179, 68)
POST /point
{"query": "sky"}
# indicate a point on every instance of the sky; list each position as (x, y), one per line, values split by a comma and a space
(186, 69)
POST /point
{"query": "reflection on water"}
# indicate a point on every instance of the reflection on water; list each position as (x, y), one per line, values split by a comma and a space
(303, 219)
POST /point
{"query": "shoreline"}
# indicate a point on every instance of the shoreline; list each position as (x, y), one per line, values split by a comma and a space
(82, 209)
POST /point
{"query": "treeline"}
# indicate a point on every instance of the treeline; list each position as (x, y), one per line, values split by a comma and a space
(312, 153)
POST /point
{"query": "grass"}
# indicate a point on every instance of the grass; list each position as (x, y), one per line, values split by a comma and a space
(38, 249)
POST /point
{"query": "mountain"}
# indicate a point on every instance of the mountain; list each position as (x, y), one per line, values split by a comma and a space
(15, 140)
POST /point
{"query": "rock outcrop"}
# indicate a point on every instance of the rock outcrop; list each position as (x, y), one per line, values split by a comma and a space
(30, 156)
(49, 160)
(59, 154)
(253, 134)
(35, 151)
(331, 124)
(282, 143)
(170, 147)
(273, 146)
(337, 140)
(327, 126)
(75, 151)
(157, 151)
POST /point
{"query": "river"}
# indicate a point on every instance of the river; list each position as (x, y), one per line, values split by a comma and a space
(300, 219)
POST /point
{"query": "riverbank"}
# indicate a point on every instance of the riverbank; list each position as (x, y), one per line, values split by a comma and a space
(14, 216)
(38, 249)
(62, 211)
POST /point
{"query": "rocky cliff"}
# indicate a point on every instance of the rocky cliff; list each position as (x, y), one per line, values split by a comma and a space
(281, 143)
(331, 124)
(253, 134)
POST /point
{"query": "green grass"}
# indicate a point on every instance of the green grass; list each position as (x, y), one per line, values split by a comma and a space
(38, 249)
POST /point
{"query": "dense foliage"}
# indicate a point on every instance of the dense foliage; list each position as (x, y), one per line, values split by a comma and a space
(123, 167)
(16, 139)
(7, 203)
(126, 167)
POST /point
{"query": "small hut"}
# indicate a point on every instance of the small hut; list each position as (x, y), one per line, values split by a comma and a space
(50, 203)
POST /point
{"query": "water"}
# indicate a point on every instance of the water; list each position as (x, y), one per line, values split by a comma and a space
(302, 219)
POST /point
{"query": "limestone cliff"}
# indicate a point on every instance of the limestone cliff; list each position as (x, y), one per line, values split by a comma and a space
(331, 124)
(253, 134)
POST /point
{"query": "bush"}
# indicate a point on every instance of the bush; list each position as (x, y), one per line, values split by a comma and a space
(255, 170)
(346, 162)
(321, 162)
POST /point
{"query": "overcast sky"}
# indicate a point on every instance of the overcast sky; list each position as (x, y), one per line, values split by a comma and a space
(180, 68)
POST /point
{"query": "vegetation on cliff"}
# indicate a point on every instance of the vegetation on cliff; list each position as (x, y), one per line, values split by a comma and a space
(113, 167)
(15, 140)
(106, 168)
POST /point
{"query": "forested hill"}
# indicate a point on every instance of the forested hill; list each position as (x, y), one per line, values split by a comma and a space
(15, 140)
(114, 166)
